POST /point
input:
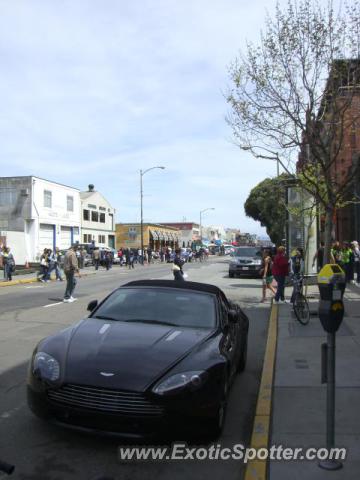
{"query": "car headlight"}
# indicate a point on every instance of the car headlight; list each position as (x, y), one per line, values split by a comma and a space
(46, 367)
(257, 262)
(173, 384)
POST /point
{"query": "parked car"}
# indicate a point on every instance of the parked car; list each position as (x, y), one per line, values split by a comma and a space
(155, 356)
(229, 249)
(245, 261)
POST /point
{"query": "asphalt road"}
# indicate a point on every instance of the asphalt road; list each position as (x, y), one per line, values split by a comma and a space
(44, 452)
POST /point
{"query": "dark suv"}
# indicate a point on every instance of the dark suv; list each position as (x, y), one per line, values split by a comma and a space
(245, 261)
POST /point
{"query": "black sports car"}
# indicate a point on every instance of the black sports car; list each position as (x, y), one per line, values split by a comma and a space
(154, 356)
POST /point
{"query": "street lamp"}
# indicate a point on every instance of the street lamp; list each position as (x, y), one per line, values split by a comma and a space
(201, 212)
(142, 173)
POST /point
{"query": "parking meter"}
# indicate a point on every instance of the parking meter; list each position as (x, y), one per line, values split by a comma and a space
(331, 282)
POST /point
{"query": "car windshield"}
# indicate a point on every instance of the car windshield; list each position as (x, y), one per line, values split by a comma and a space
(181, 308)
(247, 252)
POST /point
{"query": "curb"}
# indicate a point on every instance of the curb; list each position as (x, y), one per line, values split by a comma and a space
(33, 280)
(257, 469)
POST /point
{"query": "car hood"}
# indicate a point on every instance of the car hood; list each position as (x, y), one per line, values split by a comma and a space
(126, 355)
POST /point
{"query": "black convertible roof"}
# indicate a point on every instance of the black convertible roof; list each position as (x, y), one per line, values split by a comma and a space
(200, 287)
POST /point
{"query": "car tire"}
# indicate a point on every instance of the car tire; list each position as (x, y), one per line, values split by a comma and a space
(216, 424)
(231, 275)
(242, 361)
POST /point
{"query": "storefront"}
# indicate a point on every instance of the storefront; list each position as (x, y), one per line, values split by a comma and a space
(155, 236)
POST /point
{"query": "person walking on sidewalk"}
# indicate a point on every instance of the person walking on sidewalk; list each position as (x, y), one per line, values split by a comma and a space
(71, 267)
(348, 262)
(267, 277)
(9, 264)
(280, 269)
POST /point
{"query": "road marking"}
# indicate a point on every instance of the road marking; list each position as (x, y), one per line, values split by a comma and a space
(257, 469)
(36, 286)
(52, 304)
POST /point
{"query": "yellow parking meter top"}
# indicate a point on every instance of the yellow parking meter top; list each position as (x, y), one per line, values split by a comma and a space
(331, 273)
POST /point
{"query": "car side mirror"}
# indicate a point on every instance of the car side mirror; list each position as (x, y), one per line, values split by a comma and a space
(232, 316)
(92, 305)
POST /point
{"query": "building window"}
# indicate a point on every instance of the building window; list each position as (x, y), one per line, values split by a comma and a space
(86, 214)
(101, 238)
(70, 203)
(94, 216)
(87, 238)
(90, 205)
(7, 197)
(47, 198)
(102, 217)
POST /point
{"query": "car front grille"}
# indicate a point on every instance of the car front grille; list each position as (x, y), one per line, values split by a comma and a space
(105, 400)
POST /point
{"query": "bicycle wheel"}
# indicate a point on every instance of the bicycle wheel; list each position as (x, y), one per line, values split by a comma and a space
(301, 309)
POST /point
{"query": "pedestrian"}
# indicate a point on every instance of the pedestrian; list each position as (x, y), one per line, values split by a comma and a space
(348, 262)
(319, 257)
(96, 258)
(58, 265)
(44, 265)
(356, 254)
(71, 267)
(107, 259)
(82, 257)
(131, 258)
(149, 255)
(9, 264)
(280, 269)
(267, 277)
(336, 254)
(51, 259)
(177, 266)
(297, 269)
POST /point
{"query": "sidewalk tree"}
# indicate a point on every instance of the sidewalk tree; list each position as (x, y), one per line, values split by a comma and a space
(292, 99)
(266, 204)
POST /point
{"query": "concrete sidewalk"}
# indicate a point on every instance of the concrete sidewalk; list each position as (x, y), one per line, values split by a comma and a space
(299, 398)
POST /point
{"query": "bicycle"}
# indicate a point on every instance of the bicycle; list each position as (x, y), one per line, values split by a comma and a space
(300, 303)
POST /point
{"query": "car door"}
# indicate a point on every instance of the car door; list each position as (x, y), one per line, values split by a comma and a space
(230, 338)
(235, 327)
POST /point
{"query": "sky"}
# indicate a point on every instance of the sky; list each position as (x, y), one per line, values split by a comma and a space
(94, 91)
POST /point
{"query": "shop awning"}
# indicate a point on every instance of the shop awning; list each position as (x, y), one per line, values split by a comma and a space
(160, 235)
(154, 234)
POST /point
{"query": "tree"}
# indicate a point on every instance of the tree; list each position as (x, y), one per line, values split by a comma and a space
(266, 204)
(293, 98)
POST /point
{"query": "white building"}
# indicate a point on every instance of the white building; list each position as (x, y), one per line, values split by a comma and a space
(35, 214)
(97, 219)
(213, 233)
(189, 232)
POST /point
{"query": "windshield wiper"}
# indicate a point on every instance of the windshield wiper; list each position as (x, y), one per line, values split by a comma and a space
(105, 317)
(156, 322)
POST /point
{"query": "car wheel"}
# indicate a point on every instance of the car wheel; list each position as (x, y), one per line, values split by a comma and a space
(231, 274)
(242, 362)
(216, 423)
